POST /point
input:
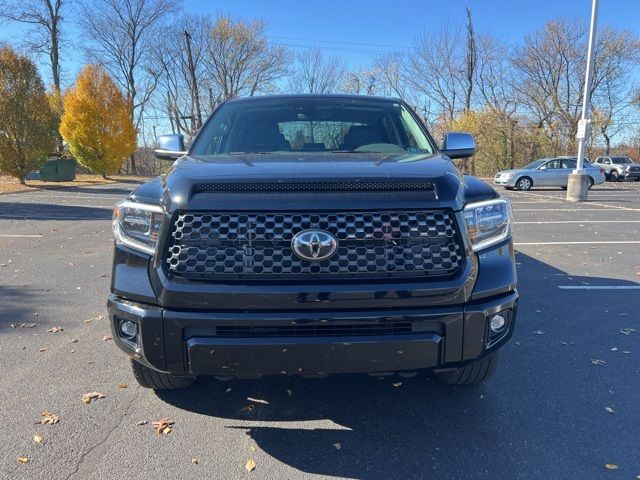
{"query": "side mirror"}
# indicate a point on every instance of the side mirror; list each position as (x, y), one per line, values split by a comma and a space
(458, 145)
(170, 147)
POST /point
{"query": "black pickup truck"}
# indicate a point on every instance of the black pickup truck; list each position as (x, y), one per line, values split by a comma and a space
(312, 235)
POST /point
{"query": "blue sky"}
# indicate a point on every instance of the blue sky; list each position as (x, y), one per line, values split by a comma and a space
(356, 29)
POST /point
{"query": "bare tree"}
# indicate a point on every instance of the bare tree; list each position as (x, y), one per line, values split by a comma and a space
(45, 17)
(121, 34)
(362, 82)
(313, 73)
(173, 96)
(240, 60)
(471, 60)
(391, 68)
(436, 70)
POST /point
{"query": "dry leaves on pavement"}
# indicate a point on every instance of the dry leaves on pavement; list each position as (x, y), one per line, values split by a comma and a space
(163, 426)
(88, 397)
(611, 466)
(23, 325)
(48, 418)
(107, 337)
(55, 330)
(251, 465)
(22, 459)
(37, 438)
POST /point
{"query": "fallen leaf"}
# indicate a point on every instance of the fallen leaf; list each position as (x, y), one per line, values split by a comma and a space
(22, 459)
(254, 448)
(248, 408)
(611, 466)
(107, 337)
(142, 422)
(251, 465)
(227, 390)
(88, 397)
(609, 409)
(397, 384)
(43, 349)
(123, 386)
(163, 426)
(37, 438)
(337, 446)
(48, 418)
(55, 330)
(194, 461)
(290, 392)
(596, 361)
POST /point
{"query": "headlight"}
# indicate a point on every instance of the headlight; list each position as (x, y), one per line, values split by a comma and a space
(137, 225)
(506, 176)
(488, 222)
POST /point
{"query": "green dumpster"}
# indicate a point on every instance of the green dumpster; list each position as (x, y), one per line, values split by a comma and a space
(58, 170)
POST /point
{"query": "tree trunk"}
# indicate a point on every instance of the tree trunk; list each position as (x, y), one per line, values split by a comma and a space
(133, 164)
(22, 181)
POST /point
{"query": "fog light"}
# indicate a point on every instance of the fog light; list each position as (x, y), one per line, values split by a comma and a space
(498, 323)
(128, 330)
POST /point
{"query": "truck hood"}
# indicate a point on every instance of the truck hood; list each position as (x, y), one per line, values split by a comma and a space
(450, 188)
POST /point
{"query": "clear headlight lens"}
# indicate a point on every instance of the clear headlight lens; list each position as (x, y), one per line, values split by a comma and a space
(507, 176)
(488, 222)
(137, 225)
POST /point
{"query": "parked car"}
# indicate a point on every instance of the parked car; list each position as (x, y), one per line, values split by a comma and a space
(547, 172)
(619, 168)
(311, 235)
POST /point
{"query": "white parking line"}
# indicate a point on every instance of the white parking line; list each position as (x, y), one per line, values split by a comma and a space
(599, 287)
(590, 203)
(604, 242)
(559, 209)
(20, 236)
(576, 221)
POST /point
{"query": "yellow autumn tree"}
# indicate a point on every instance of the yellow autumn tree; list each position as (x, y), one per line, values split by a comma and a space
(96, 123)
(27, 124)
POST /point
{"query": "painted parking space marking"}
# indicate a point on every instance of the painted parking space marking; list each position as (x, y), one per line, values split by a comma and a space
(575, 221)
(603, 242)
(599, 287)
(19, 236)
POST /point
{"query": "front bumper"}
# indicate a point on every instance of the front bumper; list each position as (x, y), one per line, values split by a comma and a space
(504, 181)
(310, 343)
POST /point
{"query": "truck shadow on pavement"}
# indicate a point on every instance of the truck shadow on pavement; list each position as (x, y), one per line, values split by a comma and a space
(51, 211)
(540, 416)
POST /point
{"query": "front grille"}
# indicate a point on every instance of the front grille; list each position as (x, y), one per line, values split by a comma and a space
(241, 331)
(205, 245)
(326, 186)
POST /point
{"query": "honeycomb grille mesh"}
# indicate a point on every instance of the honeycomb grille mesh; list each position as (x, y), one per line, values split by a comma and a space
(206, 245)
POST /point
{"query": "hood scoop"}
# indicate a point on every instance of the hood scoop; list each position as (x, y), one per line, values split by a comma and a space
(383, 185)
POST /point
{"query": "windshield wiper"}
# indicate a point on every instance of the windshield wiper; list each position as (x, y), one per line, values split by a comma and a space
(250, 153)
(355, 151)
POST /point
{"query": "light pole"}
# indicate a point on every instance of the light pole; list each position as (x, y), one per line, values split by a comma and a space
(578, 185)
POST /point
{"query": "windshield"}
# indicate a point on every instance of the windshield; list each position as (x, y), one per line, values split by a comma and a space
(620, 160)
(536, 164)
(312, 125)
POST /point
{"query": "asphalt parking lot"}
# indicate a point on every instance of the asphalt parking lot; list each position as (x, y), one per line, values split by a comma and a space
(563, 404)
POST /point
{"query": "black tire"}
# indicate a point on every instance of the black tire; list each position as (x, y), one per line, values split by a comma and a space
(563, 188)
(524, 183)
(591, 182)
(508, 188)
(637, 179)
(474, 373)
(614, 176)
(149, 378)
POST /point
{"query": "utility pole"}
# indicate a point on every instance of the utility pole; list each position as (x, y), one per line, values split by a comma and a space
(578, 186)
(195, 99)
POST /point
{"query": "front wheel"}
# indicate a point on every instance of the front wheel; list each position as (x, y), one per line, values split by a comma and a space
(524, 183)
(474, 373)
(591, 182)
(149, 378)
